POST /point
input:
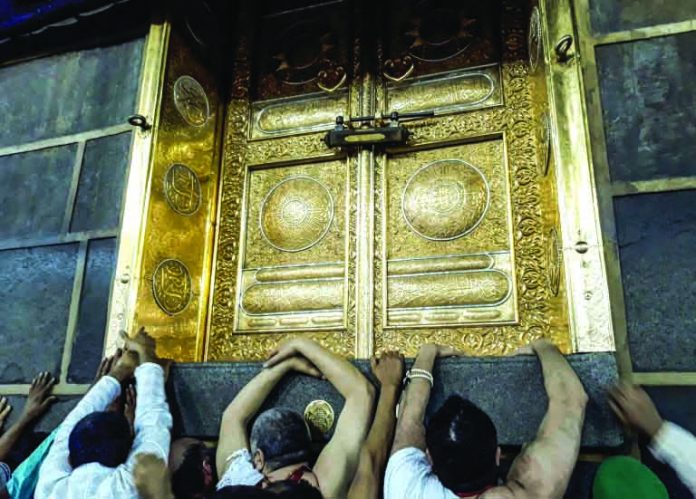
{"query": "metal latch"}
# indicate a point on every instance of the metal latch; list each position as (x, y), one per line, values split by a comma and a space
(375, 131)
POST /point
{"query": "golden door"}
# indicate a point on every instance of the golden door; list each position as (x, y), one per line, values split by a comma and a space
(454, 237)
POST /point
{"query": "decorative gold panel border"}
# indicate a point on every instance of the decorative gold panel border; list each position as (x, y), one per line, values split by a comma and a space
(165, 278)
(541, 311)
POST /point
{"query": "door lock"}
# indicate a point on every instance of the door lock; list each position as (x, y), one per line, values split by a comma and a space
(374, 130)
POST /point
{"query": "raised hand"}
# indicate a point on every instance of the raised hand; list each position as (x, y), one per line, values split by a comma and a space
(129, 406)
(388, 368)
(302, 365)
(285, 350)
(145, 347)
(40, 398)
(441, 350)
(5, 409)
(635, 409)
(106, 364)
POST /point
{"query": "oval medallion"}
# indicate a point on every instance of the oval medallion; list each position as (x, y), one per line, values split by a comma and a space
(445, 199)
(296, 214)
(320, 415)
(553, 262)
(191, 101)
(171, 286)
(182, 189)
(534, 39)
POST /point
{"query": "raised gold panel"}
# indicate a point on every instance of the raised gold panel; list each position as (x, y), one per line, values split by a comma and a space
(448, 93)
(282, 117)
(293, 271)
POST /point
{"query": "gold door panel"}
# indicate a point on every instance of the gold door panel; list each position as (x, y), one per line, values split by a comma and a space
(294, 255)
(447, 237)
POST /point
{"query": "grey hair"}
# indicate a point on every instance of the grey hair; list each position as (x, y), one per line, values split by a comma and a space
(283, 437)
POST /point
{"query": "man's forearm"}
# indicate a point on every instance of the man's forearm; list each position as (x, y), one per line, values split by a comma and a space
(341, 374)
(381, 436)
(561, 382)
(10, 437)
(250, 398)
(409, 429)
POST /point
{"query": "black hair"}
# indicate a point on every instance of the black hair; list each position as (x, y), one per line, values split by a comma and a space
(188, 481)
(463, 444)
(283, 436)
(277, 490)
(100, 437)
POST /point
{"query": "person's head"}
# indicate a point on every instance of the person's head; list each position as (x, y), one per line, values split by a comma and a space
(622, 477)
(277, 490)
(463, 446)
(192, 466)
(100, 437)
(279, 438)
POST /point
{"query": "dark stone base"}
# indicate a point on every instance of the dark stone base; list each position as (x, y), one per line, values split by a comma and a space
(509, 389)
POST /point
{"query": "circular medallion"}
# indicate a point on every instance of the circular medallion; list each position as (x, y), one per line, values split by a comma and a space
(182, 189)
(171, 286)
(445, 199)
(553, 262)
(296, 214)
(534, 39)
(191, 101)
(320, 415)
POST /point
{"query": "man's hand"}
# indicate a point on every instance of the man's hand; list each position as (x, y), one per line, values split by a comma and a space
(151, 477)
(388, 369)
(124, 368)
(106, 364)
(634, 408)
(145, 347)
(40, 398)
(301, 365)
(285, 350)
(440, 351)
(5, 409)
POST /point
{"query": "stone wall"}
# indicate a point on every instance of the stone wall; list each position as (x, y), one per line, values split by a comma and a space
(64, 154)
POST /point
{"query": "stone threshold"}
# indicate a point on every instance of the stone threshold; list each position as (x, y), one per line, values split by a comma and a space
(509, 389)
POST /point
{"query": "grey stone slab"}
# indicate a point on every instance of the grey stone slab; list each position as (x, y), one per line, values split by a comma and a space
(509, 389)
(34, 190)
(102, 178)
(94, 302)
(35, 292)
(656, 235)
(648, 101)
(49, 421)
(69, 93)
(608, 16)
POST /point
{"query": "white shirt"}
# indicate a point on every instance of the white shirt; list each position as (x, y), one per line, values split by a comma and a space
(410, 475)
(153, 423)
(676, 447)
(240, 471)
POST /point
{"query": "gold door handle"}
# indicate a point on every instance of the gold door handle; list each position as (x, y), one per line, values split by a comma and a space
(562, 49)
(406, 74)
(323, 74)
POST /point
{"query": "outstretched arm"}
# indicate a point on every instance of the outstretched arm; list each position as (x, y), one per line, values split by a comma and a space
(557, 443)
(410, 431)
(38, 402)
(235, 419)
(668, 442)
(336, 464)
(367, 483)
